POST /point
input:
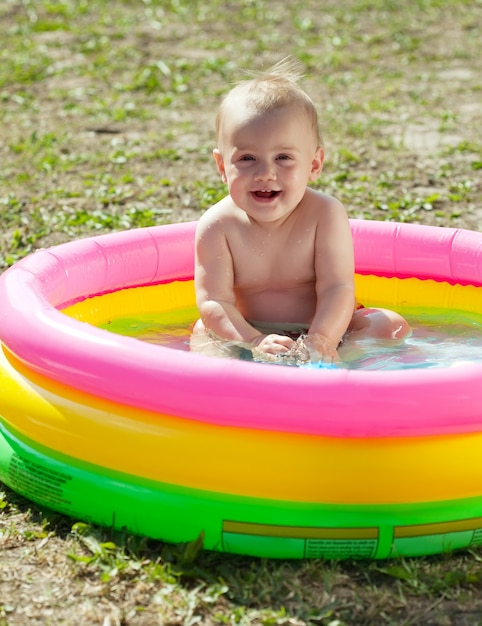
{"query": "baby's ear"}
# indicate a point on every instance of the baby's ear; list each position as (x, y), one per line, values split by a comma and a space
(317, 163)
(220, 164)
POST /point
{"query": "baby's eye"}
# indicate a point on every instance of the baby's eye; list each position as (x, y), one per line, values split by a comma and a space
(283, 157)
(247, 157)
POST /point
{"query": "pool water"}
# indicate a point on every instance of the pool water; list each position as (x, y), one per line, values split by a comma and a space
(439, 339)
(429, 346)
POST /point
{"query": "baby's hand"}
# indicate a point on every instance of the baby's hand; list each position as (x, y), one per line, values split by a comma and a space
(273, 344)
(321, 348)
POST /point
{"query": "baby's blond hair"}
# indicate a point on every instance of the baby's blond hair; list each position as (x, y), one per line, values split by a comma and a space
(270, 90)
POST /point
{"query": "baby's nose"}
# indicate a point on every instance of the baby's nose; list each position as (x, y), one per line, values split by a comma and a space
(265, 171)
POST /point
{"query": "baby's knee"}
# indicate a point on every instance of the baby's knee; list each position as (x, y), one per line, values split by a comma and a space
(394, 326)
(400, 327)
(198, 328)
(379, 324)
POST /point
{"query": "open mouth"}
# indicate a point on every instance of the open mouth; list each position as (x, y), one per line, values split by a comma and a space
(266, 193)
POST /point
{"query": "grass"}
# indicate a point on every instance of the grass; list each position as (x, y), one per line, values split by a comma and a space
(56, 572)
(112, 107)
(107, 123)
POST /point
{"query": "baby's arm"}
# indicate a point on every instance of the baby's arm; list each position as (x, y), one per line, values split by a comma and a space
(335, 292)
(214, 283)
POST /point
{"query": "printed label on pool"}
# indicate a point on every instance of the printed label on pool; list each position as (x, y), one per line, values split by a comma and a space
(37, 482)
(306, 542)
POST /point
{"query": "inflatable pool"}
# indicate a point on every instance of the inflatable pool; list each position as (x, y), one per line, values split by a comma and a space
(256, 459)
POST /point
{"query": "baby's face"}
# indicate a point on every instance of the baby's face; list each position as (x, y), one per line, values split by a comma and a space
(267, 159)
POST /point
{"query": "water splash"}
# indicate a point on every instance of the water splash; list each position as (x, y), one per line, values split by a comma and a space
(439, 340)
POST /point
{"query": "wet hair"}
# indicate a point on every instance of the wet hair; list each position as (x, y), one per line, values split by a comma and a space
(270, 90)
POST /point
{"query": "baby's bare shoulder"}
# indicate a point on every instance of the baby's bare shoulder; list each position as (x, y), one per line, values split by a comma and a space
(218, 221)
(321, 208)
(222, 211)
(319, 200)
(214, 216)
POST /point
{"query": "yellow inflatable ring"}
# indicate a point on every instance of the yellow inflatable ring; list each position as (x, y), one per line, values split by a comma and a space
(258, 459)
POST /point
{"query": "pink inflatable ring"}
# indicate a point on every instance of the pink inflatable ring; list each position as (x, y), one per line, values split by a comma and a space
(259, 459)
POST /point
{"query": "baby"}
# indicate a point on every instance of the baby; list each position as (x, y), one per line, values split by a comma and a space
(274, 258)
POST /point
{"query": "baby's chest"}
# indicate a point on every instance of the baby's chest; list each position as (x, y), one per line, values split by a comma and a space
(283, 268)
